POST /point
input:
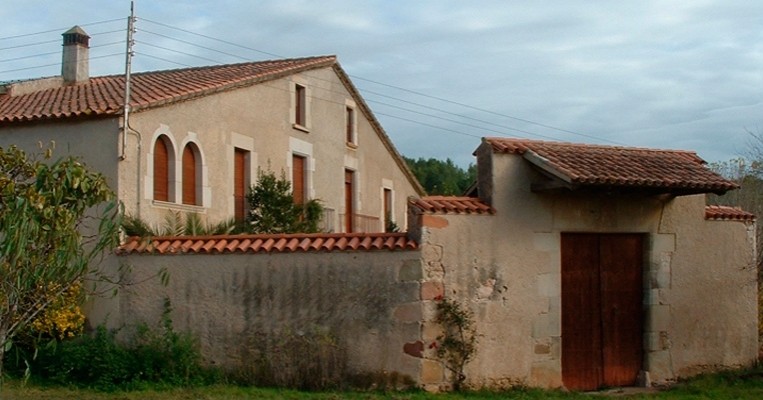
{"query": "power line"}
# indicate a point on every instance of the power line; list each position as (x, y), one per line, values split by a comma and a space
(353, 76)
(53, 53)
(179, 52)
(547, 126)
(482, 109)
(58, 29)
(213, 38)
(57, 64)
(196, 45)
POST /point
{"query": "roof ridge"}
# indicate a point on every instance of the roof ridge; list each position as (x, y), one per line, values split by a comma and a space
(589, 145)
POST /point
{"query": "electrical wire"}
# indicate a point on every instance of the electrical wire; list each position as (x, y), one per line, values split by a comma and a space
(364, 90)
(59, 29)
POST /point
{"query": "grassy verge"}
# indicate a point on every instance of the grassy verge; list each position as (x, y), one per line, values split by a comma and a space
(728, 385)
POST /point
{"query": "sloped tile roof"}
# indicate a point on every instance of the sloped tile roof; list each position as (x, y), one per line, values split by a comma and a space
(275, 243)
(587, 165)
(105, 95)
(726, 213)
(451, 205)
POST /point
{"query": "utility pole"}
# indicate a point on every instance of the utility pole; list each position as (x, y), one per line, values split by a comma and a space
(128, 66)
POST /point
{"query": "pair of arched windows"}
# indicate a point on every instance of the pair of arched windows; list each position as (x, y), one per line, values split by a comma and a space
(164, 171)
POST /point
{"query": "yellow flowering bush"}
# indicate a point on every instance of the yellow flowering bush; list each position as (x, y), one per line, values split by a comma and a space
(63, 318)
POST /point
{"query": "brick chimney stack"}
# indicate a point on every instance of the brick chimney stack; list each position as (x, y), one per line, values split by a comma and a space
(75, 64)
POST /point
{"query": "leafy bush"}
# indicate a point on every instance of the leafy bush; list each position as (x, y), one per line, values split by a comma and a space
(272, 208)
(101, 361)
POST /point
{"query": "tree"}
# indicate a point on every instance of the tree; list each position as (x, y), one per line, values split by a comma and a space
(442, 177)
(55, 220)
(272, 208)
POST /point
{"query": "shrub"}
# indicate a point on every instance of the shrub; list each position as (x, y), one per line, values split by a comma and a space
(101, 361)
(272, 208)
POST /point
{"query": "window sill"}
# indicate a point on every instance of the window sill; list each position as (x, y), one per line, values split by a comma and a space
(178, 207)
(351, 145)
(300, 128)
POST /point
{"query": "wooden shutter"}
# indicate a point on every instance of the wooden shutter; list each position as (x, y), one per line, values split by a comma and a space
(298, 178)
(239, 184)
(161, 170)
(299, 118)
(349, 201)
(189, 175)
(387, 217)
(350, 125)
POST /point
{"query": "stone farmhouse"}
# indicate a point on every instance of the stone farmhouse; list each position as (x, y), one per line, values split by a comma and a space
(194, 139)
(585, 266)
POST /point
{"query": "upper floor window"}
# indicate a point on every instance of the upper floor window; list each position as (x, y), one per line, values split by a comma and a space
(163, 161)
(300, 105)
(350, 125)
(191, 175)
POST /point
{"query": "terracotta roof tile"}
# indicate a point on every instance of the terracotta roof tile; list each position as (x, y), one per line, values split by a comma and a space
(589, 165)
(104, 95)
(284, 243)
(727, 213)
(451, 205)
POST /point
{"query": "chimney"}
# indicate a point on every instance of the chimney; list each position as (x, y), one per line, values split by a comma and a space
(74, 66)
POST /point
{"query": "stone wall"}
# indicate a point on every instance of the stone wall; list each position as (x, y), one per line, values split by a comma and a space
(368, 301)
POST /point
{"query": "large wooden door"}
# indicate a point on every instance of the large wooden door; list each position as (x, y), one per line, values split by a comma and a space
(602, 309)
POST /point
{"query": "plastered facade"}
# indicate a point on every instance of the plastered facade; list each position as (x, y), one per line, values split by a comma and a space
(699, 277)
(369, 302)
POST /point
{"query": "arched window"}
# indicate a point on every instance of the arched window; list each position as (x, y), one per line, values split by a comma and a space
(162, 157)
(191, 175)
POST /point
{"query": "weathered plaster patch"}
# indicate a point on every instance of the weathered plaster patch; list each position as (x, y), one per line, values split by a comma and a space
(486, 289)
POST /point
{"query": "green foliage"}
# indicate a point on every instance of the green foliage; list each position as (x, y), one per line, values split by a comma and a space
(54, 220)
(134, 226)
(101, 361)
(458, 343)
(177, 223)
(272, 207)
(442, 177)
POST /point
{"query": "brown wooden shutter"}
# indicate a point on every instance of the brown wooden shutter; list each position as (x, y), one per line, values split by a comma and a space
(239, 184)
(349, 200)
(350, 125)
(161, 171)
(189, 176)
(387, 207)
(299, 92)
(298, 178)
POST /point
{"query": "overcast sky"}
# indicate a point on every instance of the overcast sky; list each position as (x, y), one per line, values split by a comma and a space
(666, 74)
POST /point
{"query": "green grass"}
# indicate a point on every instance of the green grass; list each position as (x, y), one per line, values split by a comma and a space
(728, 385)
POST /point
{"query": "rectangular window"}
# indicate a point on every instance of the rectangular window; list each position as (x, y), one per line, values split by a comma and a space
(298, 178)
(300, 105)
(240, 183)
(350, 125)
